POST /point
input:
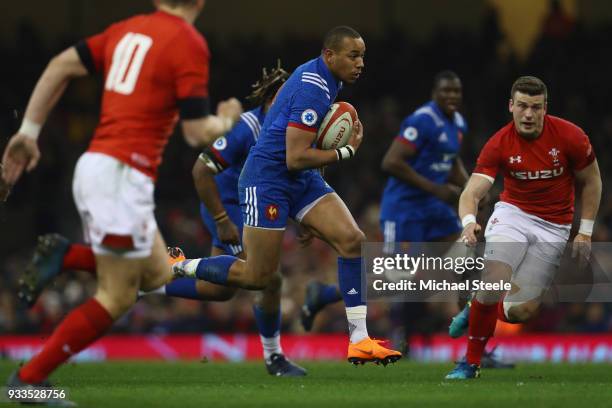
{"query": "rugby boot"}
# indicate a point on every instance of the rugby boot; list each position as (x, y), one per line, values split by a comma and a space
(460, 322)
(278, 365)
(35, 393)
(464, 371)
(45, 265)
(370, 350)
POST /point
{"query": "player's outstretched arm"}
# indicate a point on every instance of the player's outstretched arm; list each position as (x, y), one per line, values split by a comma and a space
(589, 179)
(203, 177)
(22, 152)
(301, 155)
(395, 163)
(204, 131)
(475, 190)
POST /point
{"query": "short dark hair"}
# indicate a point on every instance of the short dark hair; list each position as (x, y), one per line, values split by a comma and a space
(442, 75)
(529, 85)
(333, 38)
(177, 3)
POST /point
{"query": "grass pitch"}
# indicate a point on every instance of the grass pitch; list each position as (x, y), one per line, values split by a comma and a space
(405, 384)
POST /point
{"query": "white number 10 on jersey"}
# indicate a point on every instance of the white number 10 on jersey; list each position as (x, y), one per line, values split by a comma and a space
(127, 61)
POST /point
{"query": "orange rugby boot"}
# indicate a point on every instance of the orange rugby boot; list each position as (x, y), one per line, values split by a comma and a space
(370, 350)
(175, 254)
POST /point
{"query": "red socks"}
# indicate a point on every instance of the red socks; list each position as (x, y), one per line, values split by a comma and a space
(79, 329)
(80, 257)
(483, 319)
(501, 314)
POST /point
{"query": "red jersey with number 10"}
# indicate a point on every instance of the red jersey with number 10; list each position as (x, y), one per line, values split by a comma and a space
(150, 63)
(539, 173)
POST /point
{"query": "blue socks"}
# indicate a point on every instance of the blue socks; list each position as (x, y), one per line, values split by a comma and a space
(349, 280)
(183, 288)
(269, 324)
(215, 269)
(329, 294)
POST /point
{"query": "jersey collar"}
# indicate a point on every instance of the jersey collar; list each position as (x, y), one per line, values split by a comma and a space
(328, 76)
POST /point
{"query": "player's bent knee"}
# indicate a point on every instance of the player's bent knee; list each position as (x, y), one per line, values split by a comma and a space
(275, 282)
(350, 245)
(116, 304)
(257, 281)
(520, 312)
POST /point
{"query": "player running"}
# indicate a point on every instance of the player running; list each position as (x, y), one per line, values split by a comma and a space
(540, 156)
(154, 66)
(426, 178)
(216, 175)
(279, 180)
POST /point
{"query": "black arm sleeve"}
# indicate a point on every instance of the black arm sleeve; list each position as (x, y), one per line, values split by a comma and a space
(194, 108)
(85, 55)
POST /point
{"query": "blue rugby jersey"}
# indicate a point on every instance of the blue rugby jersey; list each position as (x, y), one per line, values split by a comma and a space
(232, 150)
(302, 102)
(437, 140)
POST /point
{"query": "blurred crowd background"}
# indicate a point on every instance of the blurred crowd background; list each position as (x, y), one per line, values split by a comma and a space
(571, 56)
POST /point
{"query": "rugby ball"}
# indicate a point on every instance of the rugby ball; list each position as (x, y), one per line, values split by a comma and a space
(337, 126)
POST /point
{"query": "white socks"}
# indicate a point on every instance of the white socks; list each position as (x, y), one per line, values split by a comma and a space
(189, 267)
(161, 290)
(356, 317)
(271, 345)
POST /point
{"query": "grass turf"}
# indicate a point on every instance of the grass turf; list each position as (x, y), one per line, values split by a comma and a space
(406, 384)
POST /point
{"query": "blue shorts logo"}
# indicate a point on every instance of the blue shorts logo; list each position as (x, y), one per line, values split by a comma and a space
(309, 117)
(220, 143)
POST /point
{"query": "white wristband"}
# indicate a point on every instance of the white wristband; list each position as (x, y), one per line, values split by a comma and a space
(345, 152)
(586, 227)
(468, 219)
(29, 129)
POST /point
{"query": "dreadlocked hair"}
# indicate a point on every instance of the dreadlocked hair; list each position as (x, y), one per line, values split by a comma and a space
(268, 85)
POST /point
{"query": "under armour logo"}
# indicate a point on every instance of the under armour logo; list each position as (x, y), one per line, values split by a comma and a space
(515, 159)
(352, 292)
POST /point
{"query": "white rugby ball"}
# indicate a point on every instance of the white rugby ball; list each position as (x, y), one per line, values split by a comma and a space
(337, 126)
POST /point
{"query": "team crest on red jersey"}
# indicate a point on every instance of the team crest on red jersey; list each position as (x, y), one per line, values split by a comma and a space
(554, 152)
(272, 212)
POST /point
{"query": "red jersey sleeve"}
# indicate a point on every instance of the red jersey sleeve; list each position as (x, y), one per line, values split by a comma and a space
(191, 59)
(579, 150)
(191, 67)
(489, 159)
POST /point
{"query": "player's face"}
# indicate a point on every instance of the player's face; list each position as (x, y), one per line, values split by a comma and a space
(528, 113)
(448, 95)
(348, 61)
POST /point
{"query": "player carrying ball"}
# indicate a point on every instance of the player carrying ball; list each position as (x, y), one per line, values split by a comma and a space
(280, 180)
(540, 156)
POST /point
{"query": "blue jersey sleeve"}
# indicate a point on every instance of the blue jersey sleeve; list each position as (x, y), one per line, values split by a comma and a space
(416, 130)
(307, 109)
(233, 148)
(461, 123)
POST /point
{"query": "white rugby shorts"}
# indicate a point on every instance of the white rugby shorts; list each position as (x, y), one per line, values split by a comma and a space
(116, 205)
(533, 247)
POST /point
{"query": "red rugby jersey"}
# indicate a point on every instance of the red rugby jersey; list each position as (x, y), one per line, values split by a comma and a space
(153, 65)
(538, 174)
